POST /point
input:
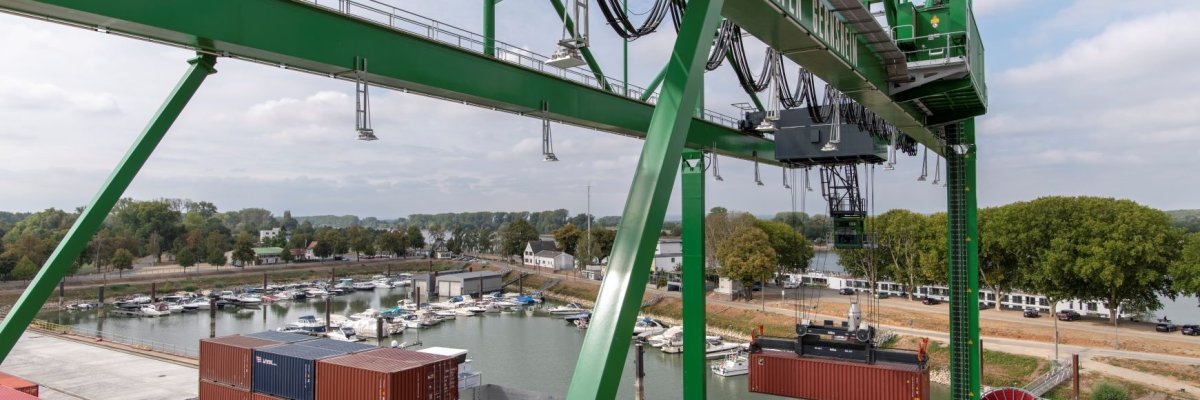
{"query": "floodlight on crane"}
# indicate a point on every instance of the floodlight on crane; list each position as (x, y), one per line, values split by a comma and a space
(575, 36)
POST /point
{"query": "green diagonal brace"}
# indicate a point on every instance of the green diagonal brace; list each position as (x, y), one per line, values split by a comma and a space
(89, 221)
(606, 346)
(695, 371)
(653, 84)
(586, 52)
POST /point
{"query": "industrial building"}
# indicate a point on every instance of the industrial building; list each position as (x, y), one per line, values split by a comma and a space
(472, 283)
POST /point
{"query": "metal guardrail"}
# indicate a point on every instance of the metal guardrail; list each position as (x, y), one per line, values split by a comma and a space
(137, 343)
(1059, 373)
(406, 21)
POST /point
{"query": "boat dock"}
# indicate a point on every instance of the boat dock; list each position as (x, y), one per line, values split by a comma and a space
(75, 369)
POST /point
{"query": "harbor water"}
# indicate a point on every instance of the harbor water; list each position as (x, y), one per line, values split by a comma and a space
(534, 351)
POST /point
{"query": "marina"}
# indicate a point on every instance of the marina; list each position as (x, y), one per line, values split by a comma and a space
(501, 345)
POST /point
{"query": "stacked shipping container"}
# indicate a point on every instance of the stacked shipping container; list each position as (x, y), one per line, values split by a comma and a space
(277, 366)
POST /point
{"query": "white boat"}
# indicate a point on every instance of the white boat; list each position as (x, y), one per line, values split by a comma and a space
(345, 334)
(228, 295)
(447, 314)
(717, 348)
(474, 308)
(139, 299)
(672, 334)
(411, 321)
(365, 328)
(569, 309)
(336, 320)
(316, 292)
(463, 312)
(648, 326)
(369, 313)
(406, 305)
(733, 365)
(197, 304)
(175, 308)
(308, 323)
(150, 310)
(248, 300)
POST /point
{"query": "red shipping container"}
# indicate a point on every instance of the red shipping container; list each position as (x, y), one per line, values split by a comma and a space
(19, 384)
(786, 374)
(264, 396)
(218, 391)
(227, 359)
(7, 393)
(388, 374)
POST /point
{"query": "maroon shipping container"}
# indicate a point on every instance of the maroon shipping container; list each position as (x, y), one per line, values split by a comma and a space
(388, 374)
(227, 359)
(264, 396)
(786, 374)
(7, 393)
(210, 390)
(19, 384)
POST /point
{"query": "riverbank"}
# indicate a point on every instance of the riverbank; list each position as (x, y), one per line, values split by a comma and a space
(230, 278)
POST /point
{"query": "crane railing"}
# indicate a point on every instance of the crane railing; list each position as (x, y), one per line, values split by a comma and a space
(409, 22)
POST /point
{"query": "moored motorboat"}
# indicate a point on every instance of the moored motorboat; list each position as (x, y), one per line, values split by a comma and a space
(569, 309)
(733, 365)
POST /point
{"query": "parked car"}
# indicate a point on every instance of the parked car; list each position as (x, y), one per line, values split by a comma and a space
(791, 285)
(929, 301)
(845, 291)
(1069, 315)
(1190, 330)
(881, 295)
(1031, 312)
(757, 286)
(1166, 327)
(983, 305)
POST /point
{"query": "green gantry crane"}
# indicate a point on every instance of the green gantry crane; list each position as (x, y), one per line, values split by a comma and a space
(923, 73)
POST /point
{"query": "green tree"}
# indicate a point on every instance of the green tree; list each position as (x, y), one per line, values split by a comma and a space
(8, 262)
(185, 257)
(215, 245)
(792, 248)
(394, 241)
(515, 235)
(719, 225)
(416, 239)
(1185, 271)
(898, 235)
(243, 249)
(746, 257)
(483, 240)
(25, 270)
(568, 237)
(122, 260)
(361, 240)
(1121, 251)
(999, 268)
(287, 256)
(152, 223)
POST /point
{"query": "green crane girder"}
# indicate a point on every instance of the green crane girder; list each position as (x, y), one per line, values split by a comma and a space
(606, 346)
(302, 36)
(93, 216)
(695, 371)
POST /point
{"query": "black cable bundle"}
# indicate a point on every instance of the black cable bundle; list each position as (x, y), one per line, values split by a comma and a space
(619, 20)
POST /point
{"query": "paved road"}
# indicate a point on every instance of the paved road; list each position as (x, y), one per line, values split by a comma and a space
(75, 370)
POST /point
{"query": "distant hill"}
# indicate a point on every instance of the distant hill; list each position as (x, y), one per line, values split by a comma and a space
(1189, 220)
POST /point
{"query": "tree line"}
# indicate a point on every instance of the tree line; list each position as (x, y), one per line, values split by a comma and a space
(1116, 252)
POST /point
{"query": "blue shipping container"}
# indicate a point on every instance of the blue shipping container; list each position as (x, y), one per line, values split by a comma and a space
(348, 347)
(282, 337)
(288, 370)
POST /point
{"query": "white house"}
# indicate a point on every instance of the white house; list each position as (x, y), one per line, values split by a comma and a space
(268, 234)
(310, 251)
(668, 255)
(554, 260)
(534, 247)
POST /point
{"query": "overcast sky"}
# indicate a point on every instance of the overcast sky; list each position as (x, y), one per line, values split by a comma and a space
(1087, 97)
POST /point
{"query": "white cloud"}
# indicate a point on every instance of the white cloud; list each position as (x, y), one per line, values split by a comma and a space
(986, 8)
(19, 93)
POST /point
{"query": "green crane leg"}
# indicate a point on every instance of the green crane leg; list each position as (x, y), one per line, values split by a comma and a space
(606, 346)
(962, 209)
(653, 84)
(695, 371)
(89, 221)
(489, 27)
(585, 52)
